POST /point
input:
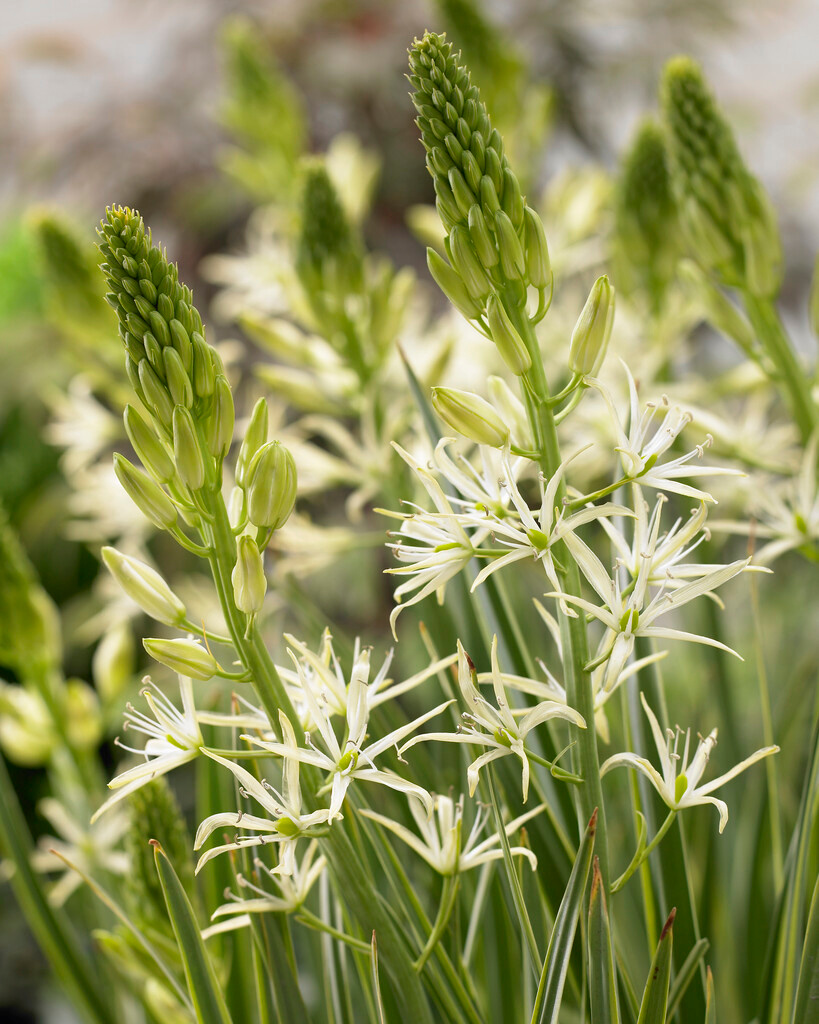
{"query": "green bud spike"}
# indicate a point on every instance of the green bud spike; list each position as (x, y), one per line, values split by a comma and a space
(178, 381)
(510, 344)
(271, 492)
(328, 254)
(145, 493)
(187, 657)
(150, 450)
(219, 426)
(255, 437)
(512, 259)
(249, 580)
(466, 262)
(145, 587)
(471, 416)
(721, 200)
(538, 263)
(590, 337)
(451, 284)
(187, 451)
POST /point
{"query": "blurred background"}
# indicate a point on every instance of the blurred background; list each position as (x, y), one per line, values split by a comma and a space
(163, 107)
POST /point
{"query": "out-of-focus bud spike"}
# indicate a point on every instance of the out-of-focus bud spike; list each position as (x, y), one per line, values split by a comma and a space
(145, 587)
(187, 452)
(510, 344)
(249, 580)
(471, 416)
(145, 493)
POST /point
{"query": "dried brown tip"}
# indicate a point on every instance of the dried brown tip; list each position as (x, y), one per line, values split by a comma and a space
(669, 923)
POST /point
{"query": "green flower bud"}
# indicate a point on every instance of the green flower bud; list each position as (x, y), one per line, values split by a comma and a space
(187, 657)
(481, 238)
(27, 733)
(451, 284)
(145, 493)
(204, 366)
(471, 416)
(490, 204)
(249, 580)
(178, 381)
(590, 337)
(271, 492)
(510, 344)
(150, 450)
(512, 259)
(219, 426)
(466, 262)
(512, 200)
(145, 587)
(187, 451)
(112, 665)
(538, 264)
(155, 393)
(255, 437)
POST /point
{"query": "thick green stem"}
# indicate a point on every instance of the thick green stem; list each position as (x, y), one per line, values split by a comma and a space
(573, 628)
(794, 379)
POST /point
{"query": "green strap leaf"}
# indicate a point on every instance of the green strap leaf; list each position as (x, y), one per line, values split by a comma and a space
(806, 1010)
(602, 989)
(208, 1000)
(556, 964)
(379, 1005)
(655, 997)
(685, 975)
(710, 1001)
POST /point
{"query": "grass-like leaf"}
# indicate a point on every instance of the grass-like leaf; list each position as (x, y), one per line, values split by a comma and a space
(602, 988)
(655, 997)
(807, 993)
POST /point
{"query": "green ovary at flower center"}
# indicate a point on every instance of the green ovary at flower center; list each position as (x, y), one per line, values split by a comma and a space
(680, 786)
(801, 524)
(538, 539)
(286, 827)
(503, 737)
(630, 620)
(348, 761)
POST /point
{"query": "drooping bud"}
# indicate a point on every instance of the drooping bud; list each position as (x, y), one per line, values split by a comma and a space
(249, 580)
(145, 493)
(471, 416)
(145, 587)
(187, 657)
(451, 284)
(731, 226)
(187, 451)
(255, 437)
(590, 337)
(271, 492)
(510, 344)
(150, 450)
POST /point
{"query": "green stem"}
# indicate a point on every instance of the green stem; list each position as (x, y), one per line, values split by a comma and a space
(655, 842)
(796, 382)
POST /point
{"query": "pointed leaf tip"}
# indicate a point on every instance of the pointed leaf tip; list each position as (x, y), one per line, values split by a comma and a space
(669, 923)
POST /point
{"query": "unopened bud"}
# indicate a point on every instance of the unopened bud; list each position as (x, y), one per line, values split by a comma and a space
(249, 580)
(27, 734)
(220, 423)
(590, 337)
(113, 663)
(204, 373)
(538, 264)
(190, 462)
(155, 393)
(471, 416)
(481, 238)
(145, 587)
(466, 262)
(271, 492)
(145, 493)
(452, 285)
(187, 657)
(255, 437)
(512, 201)
(513, 263)
(511, 408)
(510, 344)
(146, 444)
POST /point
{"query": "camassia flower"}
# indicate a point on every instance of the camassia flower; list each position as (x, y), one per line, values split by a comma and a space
(174, 738)
(640, 448)
(440, 842)
(352, 759)
(287, 822)
(679, 781)
(495, 727)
